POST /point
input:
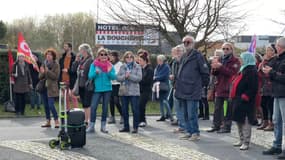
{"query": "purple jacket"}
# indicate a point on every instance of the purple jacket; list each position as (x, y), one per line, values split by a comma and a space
(224, 76)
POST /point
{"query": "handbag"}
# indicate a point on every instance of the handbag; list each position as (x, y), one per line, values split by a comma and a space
(123, 90)
(163, 86)
(40, 87)
(89, 85)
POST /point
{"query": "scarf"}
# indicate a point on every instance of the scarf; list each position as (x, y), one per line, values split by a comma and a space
(49, 64)
(130, 66)
(226, 58)
(248, 59)
(22, 67)
(102, 65)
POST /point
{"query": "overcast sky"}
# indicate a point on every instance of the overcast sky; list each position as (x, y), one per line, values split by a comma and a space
(261, 11)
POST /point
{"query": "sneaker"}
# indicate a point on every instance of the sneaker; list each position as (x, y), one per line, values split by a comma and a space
(244, 147)
(178, 130)
(237, 144)
(194, 137)
(90, 130)
(142, 124)
(272, 151)
(185, 136)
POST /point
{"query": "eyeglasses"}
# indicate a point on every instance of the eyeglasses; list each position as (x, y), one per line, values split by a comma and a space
(187, 42)
(104, 54)
(226, 49)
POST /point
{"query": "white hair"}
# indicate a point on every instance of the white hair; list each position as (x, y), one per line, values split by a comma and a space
(281, 42)
(180, 48)
(86, 47)
(161, 57)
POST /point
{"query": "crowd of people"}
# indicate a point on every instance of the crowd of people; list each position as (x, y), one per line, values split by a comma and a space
(243, 89)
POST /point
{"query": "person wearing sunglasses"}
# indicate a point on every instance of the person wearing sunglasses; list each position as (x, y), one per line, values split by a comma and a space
(223, 68)
(130, 75)
(102, 73)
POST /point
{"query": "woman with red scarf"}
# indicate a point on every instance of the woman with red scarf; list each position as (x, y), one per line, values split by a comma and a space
(102, 73)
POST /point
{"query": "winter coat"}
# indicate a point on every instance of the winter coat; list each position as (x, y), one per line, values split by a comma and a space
(224, 75)
(147, 77)
(103, 80)
(244, 94)
(277, 75)
(22, 82)
(82, 69)
(193, 73)
(132, 83)
(72, 74)
(51, 75)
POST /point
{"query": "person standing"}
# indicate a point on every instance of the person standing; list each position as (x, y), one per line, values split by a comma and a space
(102, 73)
(35, 98)
(81, 65)
(243, 92)
(161, 78)
(145, 85)
(130, 75)
(193, 73)
(22, 84)
(66, 73)
(115, 99)
(49, 71)
(266, 90)
(224, 69)
(276, 71)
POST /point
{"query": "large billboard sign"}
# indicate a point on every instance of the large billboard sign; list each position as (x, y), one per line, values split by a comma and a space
(121, 34)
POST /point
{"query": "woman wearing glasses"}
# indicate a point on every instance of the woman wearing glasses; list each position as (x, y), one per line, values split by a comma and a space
(130, 75)
(224, 68)
(102, 73)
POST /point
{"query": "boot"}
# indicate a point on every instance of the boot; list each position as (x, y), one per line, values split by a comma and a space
(111, 120)
(270, 127)
(103, 127)
(56, 124)
(264, 125)
(46, 125)
(91, 127)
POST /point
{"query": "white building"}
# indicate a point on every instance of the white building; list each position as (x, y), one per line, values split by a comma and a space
(243, 41)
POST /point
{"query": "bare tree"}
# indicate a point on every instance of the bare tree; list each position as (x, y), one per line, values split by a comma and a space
(281, 23)
(200, 18)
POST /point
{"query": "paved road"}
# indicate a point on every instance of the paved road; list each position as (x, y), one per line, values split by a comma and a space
(22, 138)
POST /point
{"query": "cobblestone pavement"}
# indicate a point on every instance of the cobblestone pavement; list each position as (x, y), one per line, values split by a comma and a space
(156, 141)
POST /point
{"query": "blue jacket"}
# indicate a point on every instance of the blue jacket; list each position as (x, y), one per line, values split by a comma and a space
(102, 79)
(193, 73)
(161, 73)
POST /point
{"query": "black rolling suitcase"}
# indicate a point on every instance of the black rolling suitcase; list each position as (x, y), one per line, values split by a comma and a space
(76, 128)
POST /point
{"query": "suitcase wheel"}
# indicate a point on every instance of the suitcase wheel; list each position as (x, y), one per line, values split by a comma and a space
(53, 143)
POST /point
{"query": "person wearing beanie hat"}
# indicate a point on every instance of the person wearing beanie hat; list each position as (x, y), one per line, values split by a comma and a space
(243, 92)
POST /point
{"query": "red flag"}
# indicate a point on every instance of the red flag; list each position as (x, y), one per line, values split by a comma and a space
(24, 49)
(11, 63)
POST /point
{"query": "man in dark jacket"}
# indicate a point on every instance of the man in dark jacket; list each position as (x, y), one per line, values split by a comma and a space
(193, 73)
(224, 69)
(66, 74)
(276, 71)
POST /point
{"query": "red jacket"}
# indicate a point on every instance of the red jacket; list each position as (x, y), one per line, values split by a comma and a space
(224, 76)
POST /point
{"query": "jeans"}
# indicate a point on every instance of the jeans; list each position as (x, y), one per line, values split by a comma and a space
(49, 106)
(35, 99)
(191, 115)
(279, 122)
(163, 101)
(179, 112)
(134, 100)
(95, 102)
